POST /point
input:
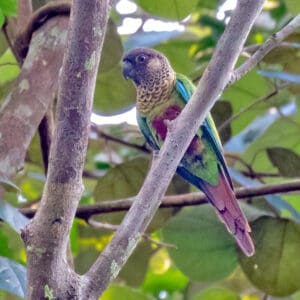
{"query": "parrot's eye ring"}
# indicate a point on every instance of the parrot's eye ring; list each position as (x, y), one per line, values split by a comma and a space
(141, 58)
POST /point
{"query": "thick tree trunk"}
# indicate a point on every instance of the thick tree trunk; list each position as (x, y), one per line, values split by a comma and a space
(46, 237)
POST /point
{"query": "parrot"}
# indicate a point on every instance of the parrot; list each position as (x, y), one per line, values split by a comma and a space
(161, 94)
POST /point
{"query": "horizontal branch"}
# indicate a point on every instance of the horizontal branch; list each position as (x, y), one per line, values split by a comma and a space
(86, 211)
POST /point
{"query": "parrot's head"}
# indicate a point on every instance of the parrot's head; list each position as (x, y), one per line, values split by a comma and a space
(146, 66)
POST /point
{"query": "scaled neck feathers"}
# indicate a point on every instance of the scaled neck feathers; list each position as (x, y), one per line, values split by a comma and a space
(155, 90)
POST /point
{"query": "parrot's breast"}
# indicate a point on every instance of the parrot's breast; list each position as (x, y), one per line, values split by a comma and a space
(159, 122)
(160, 127)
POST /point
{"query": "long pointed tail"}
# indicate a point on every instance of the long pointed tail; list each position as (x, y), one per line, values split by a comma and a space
(223, 199)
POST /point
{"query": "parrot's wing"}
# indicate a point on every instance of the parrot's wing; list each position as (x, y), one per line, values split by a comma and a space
(185, 88)
(142, 122)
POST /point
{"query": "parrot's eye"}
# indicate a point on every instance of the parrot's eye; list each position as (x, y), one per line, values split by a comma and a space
(141, 58)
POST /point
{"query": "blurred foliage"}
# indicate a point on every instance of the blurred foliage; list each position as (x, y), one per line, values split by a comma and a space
(8, 8)
(258, 119)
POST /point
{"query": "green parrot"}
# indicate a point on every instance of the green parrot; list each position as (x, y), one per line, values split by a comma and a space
(161, 95)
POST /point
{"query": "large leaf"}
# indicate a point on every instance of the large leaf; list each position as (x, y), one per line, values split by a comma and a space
(136, 267)
(123, 293)
(275, 267)
(245, 91)
(285, 160)
(113, 94)
(125, 180)
(9, 7)
(293, 6)
(12, 216)
(217, 292)
(172, 9)
(254, 131)
(122, 181)
(3, 43)
(12, 277)
(112, 48)
(221, 112)
(8, 67)
(177, 52)
(280, 134)
(163, 276)
(203, 239)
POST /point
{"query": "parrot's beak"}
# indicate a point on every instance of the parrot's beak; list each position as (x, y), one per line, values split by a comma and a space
(128, 70)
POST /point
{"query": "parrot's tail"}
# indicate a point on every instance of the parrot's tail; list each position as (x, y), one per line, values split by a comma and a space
(223, 199)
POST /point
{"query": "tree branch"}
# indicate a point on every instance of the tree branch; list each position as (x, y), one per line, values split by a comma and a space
(86, 211)
(273, 42)
(46, 237)
(24, 13)
(251, 105)
(211, 85)
(114, 227)
(28, 101)
(111, 138)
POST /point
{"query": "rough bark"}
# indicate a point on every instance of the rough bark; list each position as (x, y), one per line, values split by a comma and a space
(46, 237)
(35, 88)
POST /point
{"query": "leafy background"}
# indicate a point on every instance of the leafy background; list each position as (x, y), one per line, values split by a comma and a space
(261, 136)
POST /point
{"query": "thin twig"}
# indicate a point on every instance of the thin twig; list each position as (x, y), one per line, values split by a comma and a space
(24, 14)
(273, 42)
(9, 42)
(86, 211)
(114, 227)
(251, 105)
(259, 174)
(253, 48)
(111, 138)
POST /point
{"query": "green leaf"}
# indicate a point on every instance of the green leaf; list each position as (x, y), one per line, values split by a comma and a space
(123, 293)
(203, 239)
(245, 91)
(213, 293)
(8, 7)
(136, 267)
(163, 276)
(221, 112)
(125, 180)
(122, 181)
(210, 4)
(112, 48)
(12, 216)
(275, 267)
(286, 161)
(34, 154)
(172, 9)
(177, 52)
(12, 277)
(2, 18)
(282, 133)
(113, 94)
(293, 6)
(9, 69)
